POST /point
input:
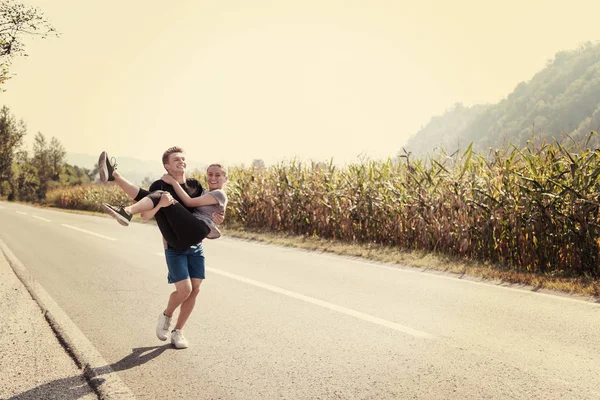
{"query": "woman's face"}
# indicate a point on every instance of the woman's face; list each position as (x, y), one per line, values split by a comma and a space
(215, 177)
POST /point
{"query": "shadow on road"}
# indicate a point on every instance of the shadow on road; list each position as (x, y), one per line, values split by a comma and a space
(75, 387)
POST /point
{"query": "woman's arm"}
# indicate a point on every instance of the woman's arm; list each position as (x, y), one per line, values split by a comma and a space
(188, 201)
(203, 200)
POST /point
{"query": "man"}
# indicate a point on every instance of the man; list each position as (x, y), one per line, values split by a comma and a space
(186, 267)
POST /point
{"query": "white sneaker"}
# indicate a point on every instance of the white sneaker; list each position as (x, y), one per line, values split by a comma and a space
(178, 339)
(163, 326)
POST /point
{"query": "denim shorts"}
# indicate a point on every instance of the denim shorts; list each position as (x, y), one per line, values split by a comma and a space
(184, 264)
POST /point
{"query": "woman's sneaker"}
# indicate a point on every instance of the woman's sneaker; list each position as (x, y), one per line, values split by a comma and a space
(178, 339)
(214, 233)
(118, 213)
(106, 167)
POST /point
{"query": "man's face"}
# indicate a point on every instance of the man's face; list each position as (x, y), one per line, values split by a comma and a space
(176, 163)
(215, 177)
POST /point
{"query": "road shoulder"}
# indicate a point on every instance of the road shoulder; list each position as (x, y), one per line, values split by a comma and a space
(34, 364)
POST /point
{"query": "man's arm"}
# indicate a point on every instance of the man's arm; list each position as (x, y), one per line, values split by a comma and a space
(148, 215)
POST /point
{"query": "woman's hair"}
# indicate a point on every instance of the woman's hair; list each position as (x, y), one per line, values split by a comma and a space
(218, 166)
(169, 151)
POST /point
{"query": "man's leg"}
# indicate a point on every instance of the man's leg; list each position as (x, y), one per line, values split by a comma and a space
(178, 275)
(188, 305)
(183, 289)
(197, 271)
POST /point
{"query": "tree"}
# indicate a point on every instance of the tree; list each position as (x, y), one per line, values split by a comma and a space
(72, 175)
(92, 173)
(56, 154)
(146, 182)
(11, 138)
(257, 164)
(16, 21)
(25, 183)
(42, 163)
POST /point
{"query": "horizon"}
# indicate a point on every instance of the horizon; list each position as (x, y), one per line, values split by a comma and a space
(338, 81)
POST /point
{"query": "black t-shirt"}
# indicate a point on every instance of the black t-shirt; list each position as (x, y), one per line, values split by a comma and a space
(192, 187)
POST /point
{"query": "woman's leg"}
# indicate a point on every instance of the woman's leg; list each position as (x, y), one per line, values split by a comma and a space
(129, 188)
(123, 214)
(140, 194)
(179, 227)
(144, 204)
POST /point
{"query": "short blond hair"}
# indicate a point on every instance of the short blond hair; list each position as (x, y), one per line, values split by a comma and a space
(169, 151)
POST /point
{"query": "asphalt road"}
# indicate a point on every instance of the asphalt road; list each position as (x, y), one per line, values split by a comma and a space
(281, 323)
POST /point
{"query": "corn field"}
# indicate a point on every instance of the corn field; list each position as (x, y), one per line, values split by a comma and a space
(533, 209)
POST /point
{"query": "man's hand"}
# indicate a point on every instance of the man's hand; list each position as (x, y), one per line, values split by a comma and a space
(168, 179)
(218, 218)
(166, 200)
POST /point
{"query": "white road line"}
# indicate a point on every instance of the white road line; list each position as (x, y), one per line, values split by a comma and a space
(419, 270)
(21, 212)
(330, 306)
(43, 219)
(88, 232)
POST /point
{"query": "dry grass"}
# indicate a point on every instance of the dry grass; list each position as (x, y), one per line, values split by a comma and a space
(425, 261)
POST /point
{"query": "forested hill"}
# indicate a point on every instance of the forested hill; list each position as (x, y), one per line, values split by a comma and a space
(562, 98)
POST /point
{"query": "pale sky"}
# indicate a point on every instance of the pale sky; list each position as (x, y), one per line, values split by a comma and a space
(234, 81)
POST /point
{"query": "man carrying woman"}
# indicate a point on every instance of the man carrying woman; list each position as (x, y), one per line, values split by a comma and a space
(182, 231)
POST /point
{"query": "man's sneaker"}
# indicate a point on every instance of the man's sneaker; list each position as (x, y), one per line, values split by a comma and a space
(118, 213)
(163, 326)
(106, 167)
(178, 339)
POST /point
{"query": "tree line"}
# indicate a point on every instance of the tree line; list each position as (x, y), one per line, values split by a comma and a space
(562, 99)
(27, 176)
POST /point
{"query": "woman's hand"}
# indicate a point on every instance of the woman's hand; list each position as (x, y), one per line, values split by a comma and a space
(218, 218)
(168, 179)
(166, 200)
